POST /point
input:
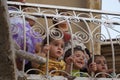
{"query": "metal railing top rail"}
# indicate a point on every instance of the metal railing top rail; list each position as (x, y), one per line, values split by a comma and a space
(64, 8)
(75, 13)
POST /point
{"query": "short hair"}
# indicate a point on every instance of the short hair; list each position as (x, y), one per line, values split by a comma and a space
(88, 52)
(45, 40)
(91, 59)
(68, 53)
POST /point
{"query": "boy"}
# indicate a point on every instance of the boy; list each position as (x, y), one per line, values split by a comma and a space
(78, 59)
(101, 65)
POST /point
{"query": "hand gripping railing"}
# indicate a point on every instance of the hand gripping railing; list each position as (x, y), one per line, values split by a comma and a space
(76, 16)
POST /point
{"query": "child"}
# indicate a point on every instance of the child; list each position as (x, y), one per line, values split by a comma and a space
(55, 52)
(101, 65)
(78, 59)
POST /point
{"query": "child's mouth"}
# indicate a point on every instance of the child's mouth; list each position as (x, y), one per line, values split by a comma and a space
(103, 68)
(59, 52)
(80, 62)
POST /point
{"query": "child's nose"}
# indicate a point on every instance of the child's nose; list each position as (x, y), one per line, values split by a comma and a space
(59, 47)
(81, 58)
(103, 64)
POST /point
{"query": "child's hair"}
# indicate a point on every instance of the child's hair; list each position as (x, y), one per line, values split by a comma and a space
(90, 60)
(45, 41)
(50, 39)
(68, 53)
(87, 52)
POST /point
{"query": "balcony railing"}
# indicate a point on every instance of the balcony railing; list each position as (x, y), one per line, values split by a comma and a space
(85, 24)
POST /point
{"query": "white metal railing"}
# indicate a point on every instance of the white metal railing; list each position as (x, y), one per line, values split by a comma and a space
(46, 13)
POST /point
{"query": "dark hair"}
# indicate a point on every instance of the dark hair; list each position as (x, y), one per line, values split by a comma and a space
(54, 22)
(45, 41)
(87, 51)
(90, 60)
(68, 53)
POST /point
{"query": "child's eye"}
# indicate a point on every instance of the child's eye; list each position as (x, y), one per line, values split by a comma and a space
(98, 62)
(55, 44)
(105, 62)
(77, 55)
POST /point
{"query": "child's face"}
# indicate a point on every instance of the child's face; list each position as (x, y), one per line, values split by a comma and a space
(63, 26)
(101, 64)
(79, 59)
(56, 49)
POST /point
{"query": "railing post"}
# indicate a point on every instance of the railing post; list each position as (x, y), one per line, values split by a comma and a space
(7, 58)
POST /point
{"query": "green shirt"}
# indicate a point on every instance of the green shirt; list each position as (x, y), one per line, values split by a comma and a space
(78, 74)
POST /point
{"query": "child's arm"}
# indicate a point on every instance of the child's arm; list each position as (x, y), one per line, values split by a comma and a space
(109, 71)
(68, 61)
(45, 49)
(42, 53)
(35, 65)
(92, 68)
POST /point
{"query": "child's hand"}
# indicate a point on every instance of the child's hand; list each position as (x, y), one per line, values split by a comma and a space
(109, 71)
(92, 67)
(69, 60)
(46, 48)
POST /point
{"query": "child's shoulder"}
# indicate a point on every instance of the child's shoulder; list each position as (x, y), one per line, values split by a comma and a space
(57, 61)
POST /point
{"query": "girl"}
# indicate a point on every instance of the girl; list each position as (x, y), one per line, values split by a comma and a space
(55, 49)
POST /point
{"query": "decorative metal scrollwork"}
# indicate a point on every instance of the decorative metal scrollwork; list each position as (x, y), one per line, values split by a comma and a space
(56, 33)
(82, 37)
(98, 37)
(14, 29)
(74, 19)
(38, 32)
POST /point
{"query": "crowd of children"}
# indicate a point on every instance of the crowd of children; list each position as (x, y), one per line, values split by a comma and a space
(58, 48)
